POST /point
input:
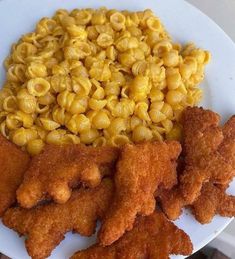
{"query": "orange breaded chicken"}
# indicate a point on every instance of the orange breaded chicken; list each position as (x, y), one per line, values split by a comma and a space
(140, 170)
(172, 202)
(46, 225)
(213, 200)
(151, 237)
(13, 164)
(209, 152)
(57, 169)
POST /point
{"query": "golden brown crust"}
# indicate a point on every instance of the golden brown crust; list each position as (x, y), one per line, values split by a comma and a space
(152, 236)
(213, 200)
(57, 169)
(202, 137)
(171, 202)
(140, 170)
(209, 157)
(47, 224)
(13, 164)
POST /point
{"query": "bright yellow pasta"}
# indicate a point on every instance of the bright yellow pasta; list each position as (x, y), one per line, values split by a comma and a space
(38, 86)
(142, 133)
(78, 123)
(72, 102)
(100, 77)
(26, 102)
(35, 146)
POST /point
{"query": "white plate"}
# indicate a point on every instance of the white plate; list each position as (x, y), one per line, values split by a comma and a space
(185, 23)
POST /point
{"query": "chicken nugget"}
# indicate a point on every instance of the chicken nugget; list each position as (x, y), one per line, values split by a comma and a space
(46, 225)
(213, 200)
(209, 152)
(202, 137)
(13, 164)
(140, 170)
(227, 147)
(151, 237)
(172, 202)
(53, 173)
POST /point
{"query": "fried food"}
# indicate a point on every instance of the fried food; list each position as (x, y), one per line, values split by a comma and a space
(213, 200)
(46, 225)
(13, 163)
(172, 202)
(140, 170)
(209, 157)
(202, 137)
(227, 147)
(151, 237)
(57, 169)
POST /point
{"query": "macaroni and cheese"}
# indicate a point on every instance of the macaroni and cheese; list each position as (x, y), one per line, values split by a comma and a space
(101, 77)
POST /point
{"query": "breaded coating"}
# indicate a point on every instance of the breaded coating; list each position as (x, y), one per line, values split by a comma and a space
(213, 200)
(140, 170)
(202, 138)
(209, 157)
(53, 173)
(46, 225)
(227, 147)
(151, 237)
(13, 164)
(172, 202)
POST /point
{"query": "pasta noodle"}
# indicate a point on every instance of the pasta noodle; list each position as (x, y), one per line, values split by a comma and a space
(100, 77)
(78, 123)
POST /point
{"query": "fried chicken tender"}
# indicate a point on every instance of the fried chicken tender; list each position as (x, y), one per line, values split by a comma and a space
(209, 157)
(140, 170)
(213, 200)
(209, 151)
(46, 225)
(151, 237)
(13, 164)
(57, 169)
(172, 202)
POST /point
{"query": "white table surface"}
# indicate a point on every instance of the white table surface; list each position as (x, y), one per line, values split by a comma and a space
(221, 11)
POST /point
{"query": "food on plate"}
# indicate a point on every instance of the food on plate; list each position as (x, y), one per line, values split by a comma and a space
(120, 186)
(141, 169)
(172, 202)
(57, 169)
(213, 200)
(227, 148)
(13, 163)
(98, 77)
(46, 225)
(209, 152)
(151, 237)
(114, 80)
